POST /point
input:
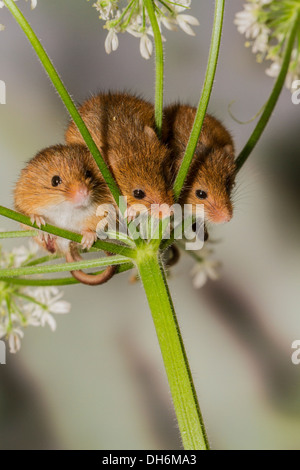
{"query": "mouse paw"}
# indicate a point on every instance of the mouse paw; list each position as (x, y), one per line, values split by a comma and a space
(88, 239)
(38, 220)
(46, 241)
(50, 242)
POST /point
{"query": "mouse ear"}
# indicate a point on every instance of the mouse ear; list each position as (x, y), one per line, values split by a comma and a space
(229, 149)
(150, 132)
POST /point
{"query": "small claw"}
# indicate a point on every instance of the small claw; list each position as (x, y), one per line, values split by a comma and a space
(46, 241)
(38, 220)
(51, 242)
(88, 239)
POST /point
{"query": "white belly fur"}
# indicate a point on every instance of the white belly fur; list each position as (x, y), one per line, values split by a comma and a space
(67, 217)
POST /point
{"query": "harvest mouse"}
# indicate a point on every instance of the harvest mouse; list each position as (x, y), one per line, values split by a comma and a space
(122, 127)
(212, 173)
(62, 185)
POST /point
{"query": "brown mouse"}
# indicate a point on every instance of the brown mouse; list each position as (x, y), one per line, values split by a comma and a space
(122, 127)
(62, 186)
(212, 174)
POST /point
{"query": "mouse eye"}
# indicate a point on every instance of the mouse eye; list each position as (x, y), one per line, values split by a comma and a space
(201, 194)
(139, 194)
(56, 181)
(88, 174)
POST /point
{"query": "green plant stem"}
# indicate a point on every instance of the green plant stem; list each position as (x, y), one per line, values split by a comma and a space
(75, 237)
(63, 267)
(122, 237)
(41, 260)
(269, 108)
(159, 62)
(162, 228)
(19, 234)
(67, 100)
(166, 243)
(65, 281)
(178, 232)
(176, 363)
(205, 96)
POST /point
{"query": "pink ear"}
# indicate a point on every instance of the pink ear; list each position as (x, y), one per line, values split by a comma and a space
(150, 132)
(229, 149)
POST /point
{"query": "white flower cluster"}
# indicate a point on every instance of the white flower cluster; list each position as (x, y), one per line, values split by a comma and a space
(131, 16)
(205, 268)
(23, 306)
(2, 4)
(266, 25)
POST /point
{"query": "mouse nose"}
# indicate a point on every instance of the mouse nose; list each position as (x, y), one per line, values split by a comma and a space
(79, 193)
(161, 207)
(160, 211)
(220, 215)
(82, 191)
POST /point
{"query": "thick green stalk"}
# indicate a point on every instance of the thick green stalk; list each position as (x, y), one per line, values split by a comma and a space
(269, 108)
(67, 100)
(75, 237)
(176, 363)
(65, 281)
(205, 96)
(159, 60)
(63, 267)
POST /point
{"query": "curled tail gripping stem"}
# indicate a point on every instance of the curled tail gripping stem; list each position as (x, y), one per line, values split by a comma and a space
(89, 279)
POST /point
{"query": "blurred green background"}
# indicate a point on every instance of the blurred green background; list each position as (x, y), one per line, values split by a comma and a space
(99, 382)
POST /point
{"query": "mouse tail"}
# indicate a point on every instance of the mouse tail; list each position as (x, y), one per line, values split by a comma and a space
(89, 279)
